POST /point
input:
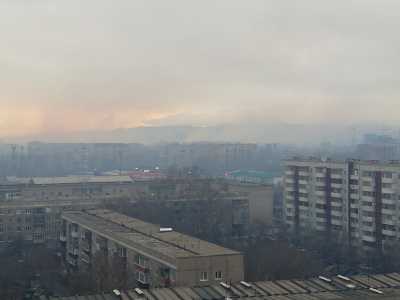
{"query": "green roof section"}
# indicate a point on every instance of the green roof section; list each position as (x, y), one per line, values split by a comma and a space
(253, 176)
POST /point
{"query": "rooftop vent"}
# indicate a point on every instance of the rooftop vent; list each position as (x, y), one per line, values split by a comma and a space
(343, 277)
(139, 291)
(325, 279)
(246, 284)
(225, 285)
(166, 229)
(376, 291)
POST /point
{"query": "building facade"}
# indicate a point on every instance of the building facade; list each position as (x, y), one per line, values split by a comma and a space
(65, 188)
(152, 256)
(30, 208)
(355, 201)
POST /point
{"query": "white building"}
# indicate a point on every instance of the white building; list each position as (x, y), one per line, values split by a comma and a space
(355, 201)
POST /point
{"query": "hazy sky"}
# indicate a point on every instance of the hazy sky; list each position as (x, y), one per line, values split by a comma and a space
(67, 65)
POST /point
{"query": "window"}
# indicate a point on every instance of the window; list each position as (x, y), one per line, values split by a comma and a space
(141, 261)
(122, 252)
(388, 196)
(387, 175)
(203, 276)
(218, 275)
(336, 171)
(367, 174)
(337, 181)
(141, 277)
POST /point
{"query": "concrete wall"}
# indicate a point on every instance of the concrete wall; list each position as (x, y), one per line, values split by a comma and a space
(261, 201)
(189, 269)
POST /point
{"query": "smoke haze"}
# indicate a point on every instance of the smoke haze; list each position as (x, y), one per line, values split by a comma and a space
(72, 66)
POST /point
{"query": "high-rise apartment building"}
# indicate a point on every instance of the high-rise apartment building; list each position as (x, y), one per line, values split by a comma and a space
(355, 201)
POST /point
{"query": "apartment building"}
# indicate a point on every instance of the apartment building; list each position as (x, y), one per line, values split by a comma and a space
(152, 256)
(30, 208)
(38, 222)
(355, 201)
(65, 188)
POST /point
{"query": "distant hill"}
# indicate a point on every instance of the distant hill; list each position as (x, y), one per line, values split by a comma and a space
(241, 132)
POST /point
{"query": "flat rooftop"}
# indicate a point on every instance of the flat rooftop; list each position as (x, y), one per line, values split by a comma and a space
(135, 233)
(66, 180)
(383, 163)
(355, 288)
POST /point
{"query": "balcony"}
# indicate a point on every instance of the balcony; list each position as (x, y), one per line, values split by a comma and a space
(289, 173)
(367, 198)
(387, 191)
(387, 180)
(320, 184)
(388, 201)
(305, 182)
(73, 251)
(302, 173)
(72, 262)
(337, 195)
(367, 238)
(354, 196)
(320, 193)
(336, 185)
(368, 208)
(63, 238)
(390, 212)
(336, 176)
(336, 213)
(289, 205)
(85, 260)
(336, 204)
(75, 234)
(388, 222)
(289, 180)
(388, 232)
(289, 214)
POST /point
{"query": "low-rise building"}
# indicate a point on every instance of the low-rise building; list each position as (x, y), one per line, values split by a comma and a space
(65, 188)
(36, 222)
(152, 256)
(30, 208)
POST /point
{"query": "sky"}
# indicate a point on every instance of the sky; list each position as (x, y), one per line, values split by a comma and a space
(69, 65)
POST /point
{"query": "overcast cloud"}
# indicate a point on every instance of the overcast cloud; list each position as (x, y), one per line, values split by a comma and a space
(72, 65)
